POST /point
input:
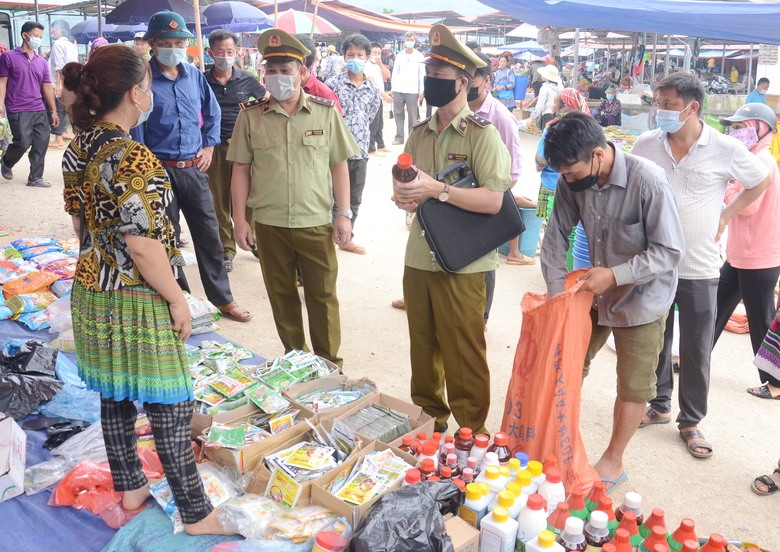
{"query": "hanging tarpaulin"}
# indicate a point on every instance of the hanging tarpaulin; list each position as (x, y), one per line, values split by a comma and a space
(638, 64)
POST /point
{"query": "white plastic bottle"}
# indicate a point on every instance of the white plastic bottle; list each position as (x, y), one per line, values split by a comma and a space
(572, 537)
(545, 542)
(475, 506)
(479, 450)
(523, 457)
(514, 467)
(520, 500)
(537, 475)
(523, 478)
(552, 490)
(531, 521)
(430, 450)
(492, 476)
(498, 532)
(491, 459)
(506, 499)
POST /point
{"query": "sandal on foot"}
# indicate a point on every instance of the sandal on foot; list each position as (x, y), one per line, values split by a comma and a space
(352, 247)
(688, 435)
(772, 487)
(6, 172)
(525, 261)
(763, 392)
(38, 183)
(614, 482)
(399, 304)
(655, 418)
(230, 309)
(228, 264)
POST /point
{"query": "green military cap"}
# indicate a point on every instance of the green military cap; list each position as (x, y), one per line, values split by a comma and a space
(447, 48)
(277, 43)
(167, 24)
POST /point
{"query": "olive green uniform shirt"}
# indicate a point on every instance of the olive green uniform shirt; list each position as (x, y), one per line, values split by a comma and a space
(475, 142)
(291, 159)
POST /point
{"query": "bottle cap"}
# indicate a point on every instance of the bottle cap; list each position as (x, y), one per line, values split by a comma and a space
(491, 458)
(632, 500)
(523, 457)
(515, 488)
(501, 439)
(446, 472)
(422, 436)
(535, 468)
(574, 526)
(452, 460)
(437, 436)
(471, 462)
(330, 541)
(621, 535)
(468, 473)
(500, 514)
(546, 539)
(485, 489)
(460, 484)
(449, 448)
(428, 465)
(417, 445)
(608, 547)
(506, 499)
(689, 545)
(481, 441)
(404, 161)
(599, 519)
(523, 477)
(413, 476)
(434, 478)
(554, 475)
(407, 441)
(473, 491)
(717, 540)
(465, 434)
(492, 472)
(535, 502)
(504, 470)
(429, 448)
(514, 464)
(448, 439)
(663, 548)
(550, 460)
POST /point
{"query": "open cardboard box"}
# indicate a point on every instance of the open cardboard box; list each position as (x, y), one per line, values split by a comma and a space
(354, 514)
(13, 454)
(245, 459)
(328, 384)
(295, 435)
(464, 536)
(419, 420)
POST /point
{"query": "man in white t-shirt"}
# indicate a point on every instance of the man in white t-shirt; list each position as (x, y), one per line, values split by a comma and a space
(376, 72)
(699, 163)
(407, 86)
(63, 51)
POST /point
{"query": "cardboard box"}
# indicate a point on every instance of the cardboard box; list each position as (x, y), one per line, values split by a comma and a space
(246, 459)
(295, 435)
(465, 538)
(420, 420)
(13, 455)
(328, 384)
(354, 514)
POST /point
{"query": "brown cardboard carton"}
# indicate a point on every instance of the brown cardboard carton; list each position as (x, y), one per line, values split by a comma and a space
(328, 384)
(420, 421)
(465, 537)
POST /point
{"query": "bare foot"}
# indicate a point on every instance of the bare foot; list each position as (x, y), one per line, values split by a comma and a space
(132, 500)
(207, 526)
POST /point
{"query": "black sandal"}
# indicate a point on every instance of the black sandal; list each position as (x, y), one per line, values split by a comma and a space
(771, 486)
(655, 418)
(763, 392)
(228, 263)
(688, 435)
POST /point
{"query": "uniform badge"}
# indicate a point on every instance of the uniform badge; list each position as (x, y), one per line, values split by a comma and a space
(462, 125)
(457, 157)
(316, 132)
(275, 41)
(436, 39)
(173, 24)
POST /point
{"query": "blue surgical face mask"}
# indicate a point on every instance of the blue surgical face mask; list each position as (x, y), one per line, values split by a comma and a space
(34, 42)
(171, 57)
(610, 97)
(409, 44)
(144, 115)
(669, 120)
(355, 66)
(762, 92)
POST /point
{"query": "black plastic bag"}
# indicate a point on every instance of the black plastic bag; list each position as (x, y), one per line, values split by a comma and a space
(34, 358)
(43, 422)
(20, 394)
(59, 433)
(409, 520)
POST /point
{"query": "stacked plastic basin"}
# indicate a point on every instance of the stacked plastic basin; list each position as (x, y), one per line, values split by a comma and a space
(580, 253)
(529, 239)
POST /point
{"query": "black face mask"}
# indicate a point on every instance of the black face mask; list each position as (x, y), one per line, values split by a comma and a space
(584, 183)
(439, 92)
(474, 94)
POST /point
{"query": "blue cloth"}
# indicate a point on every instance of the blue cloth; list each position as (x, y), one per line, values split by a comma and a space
(549, 176)
(173, 131)
(755, 97)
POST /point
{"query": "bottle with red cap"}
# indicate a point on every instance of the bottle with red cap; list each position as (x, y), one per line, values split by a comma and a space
(437, 437)
(550, 461)
(429, 450)
(656, 518)
(632, 502)
(412, 476)
(445, 473)
(452, 463)
(716, 543)
(447, 448)
(467, 475)
(501, 447)
(665, 548)
(480, 448)
(434, 478)
(422, 437)
(629, 524)
(460, 484)
(474, 465)
(463, 445)
(552, 489)
(531, 521)
(622, 541)
(407, 446)
(608, 547)
(557, 520)
(686, 530)
(657, 536)
(596, 492)
(404, 170)
(605, 505)
(576, 500)
(690, 546)
(427, 469)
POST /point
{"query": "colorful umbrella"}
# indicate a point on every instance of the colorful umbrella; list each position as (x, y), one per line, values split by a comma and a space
(298, 22)
(132, 12)
(86, 31)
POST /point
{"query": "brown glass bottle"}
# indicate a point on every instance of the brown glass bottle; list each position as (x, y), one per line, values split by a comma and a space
(407, 445)
(501, 447)
(463, 445)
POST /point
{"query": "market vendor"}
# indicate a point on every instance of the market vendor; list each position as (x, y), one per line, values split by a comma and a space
(610, 110)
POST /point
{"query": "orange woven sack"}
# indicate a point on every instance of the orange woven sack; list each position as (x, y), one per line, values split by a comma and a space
(738, 322)
(542, 410)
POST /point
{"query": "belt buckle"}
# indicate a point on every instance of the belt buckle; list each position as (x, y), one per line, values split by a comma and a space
(181, 164)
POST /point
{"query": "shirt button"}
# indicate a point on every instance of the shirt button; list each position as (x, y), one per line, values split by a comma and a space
(291, 163)
(599, 217)
(598, 240)
(598, 263)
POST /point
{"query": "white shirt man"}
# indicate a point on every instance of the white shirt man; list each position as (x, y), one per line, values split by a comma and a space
(407, 84)
(63, 51)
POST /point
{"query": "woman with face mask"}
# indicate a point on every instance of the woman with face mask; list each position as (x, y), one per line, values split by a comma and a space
(610, 110)
(752, 264)
(129, 315)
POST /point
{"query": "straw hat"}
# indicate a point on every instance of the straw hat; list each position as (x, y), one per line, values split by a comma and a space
(550, 73)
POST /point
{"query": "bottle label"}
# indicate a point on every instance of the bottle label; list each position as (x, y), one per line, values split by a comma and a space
(490, 542)
(521, 540)
(592, 548)
(468, 515)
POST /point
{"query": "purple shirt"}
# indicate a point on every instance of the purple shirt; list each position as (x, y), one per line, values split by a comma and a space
(506, 124)
(25, 77)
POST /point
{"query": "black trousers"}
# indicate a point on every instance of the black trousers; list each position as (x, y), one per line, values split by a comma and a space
(757, 289)
(357, 181)
(62, 113)
(171, 427)
(31, 131)
(192, 195)
(376, 129)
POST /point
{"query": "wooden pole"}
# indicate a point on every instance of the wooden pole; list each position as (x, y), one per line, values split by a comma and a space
(198, 35)
(750, 71)
(575, 66)
(314, 19)
(276, 14)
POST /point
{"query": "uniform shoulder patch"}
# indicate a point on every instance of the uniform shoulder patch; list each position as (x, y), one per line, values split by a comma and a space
(253, 103)
(421, 123)
(481, 122)
(322, 101)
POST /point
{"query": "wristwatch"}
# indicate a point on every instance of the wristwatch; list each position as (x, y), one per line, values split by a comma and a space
(445, 195)
(347, 213)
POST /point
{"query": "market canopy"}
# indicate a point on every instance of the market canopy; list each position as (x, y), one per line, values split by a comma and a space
(739, 21)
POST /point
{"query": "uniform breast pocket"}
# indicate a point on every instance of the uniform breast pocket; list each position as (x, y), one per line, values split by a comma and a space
(628, 239)
(315, 151)
(699, 184)
(267, 153)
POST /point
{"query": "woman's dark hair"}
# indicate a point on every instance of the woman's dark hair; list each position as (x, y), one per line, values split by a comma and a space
(357, 41)
(572, 139)
(687, 86)
(101, 83)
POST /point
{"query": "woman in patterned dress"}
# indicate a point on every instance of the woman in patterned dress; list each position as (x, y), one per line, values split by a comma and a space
(129, 315)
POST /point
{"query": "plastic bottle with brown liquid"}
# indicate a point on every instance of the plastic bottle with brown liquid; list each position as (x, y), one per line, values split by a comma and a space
(407, 446)
(404, 171)
(463, 445)
(501, 447)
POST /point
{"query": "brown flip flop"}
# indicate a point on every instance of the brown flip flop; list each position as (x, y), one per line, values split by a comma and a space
(687, 435)
(228, 309)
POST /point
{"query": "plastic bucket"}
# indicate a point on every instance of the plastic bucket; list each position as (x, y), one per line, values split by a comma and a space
(570, 253)
(579, 262)
(521, 86)
(529, 239)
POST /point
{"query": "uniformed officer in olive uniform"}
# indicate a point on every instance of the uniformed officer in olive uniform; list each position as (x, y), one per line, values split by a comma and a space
(445, 311)
(285, 152)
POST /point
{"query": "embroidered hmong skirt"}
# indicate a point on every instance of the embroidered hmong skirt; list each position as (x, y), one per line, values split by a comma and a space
(768, 357)
(126, 348)
(542, 206)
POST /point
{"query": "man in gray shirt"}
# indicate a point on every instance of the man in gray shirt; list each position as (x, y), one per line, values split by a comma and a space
(635, 242)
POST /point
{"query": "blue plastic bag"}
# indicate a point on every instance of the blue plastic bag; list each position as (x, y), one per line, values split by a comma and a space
(68, 372)
(73, 403)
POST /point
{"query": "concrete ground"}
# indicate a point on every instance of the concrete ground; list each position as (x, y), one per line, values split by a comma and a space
(714, 492)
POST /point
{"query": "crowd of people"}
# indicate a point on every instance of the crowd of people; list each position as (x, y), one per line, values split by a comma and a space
(279, 168)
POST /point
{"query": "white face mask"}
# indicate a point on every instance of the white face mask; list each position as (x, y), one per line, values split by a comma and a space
(409, 44)
(224, 63)
(281, 87)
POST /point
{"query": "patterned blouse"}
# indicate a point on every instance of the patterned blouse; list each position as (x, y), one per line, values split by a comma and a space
(610, 113)
(359, 106)
(125, 190)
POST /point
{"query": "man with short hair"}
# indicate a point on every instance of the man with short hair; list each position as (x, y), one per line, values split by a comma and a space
(185, 148)
(63, 51)
(474, 47)
(635, 239)
(699, 162)
(286, 150)
(311, 84)
(231, 87)
(376, 71)
(407, 86)
(360, 98)
(759, 94)
(25, 83)
(142, 46)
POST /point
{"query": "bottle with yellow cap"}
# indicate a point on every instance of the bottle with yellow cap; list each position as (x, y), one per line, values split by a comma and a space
(523, 478)
(545, 542)
(498, 532)
(518, 500)
(537, 475)
(514, 467)
(492, 476)
(475, 506)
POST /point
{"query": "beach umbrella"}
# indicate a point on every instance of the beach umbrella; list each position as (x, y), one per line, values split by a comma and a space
(86, 31)
(237, 16)
(298, 22)
(132, 12)
(127, 32)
